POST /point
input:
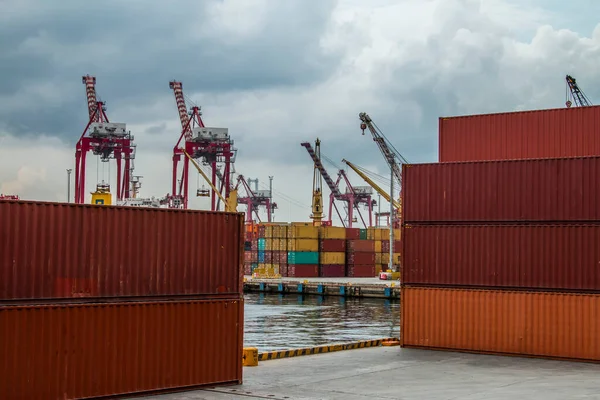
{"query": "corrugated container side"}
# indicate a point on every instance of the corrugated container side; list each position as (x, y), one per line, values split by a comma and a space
(563, 132)
(332, 258)
(509, 191)
(385, 246)
(361, 245)
(352, 233)
(303, 257)
(333, 232)
(362, 271)
(377, 244)
(525, 256)
(303, 244)
(303, 232)
(524, 323)
(117, 349)
(332, 245)
(332, 271)
(116, 251)
(303, 271)
(360, 258)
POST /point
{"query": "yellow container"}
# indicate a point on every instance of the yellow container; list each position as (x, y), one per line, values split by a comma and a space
(379, 268)
(370, 233)
(261, 266)
(377, 234)
(378, 258)
(385, 258)
(377, 246)
(332, 258)
(303, 232)
(333, 232)
(396, 234)
(268, 244)
(303, 244)
(268, 231)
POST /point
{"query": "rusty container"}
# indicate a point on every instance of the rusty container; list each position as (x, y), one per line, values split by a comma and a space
(544, 324)
(334, 245)
(57, 250)
(360, 258)
(362, 270)
(555, 189)
(332, 270)
(563, 132)
(303, 270)
(116, 349)
(352, 233)
(360, 245)
(525, 256)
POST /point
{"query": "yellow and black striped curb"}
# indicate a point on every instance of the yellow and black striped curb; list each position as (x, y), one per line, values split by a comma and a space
(274, 355)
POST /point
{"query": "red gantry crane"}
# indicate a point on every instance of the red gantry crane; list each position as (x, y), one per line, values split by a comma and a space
(353, 197)
(255, 199)
(212, 146)
(108, 140)
(390, 154)
(575, 94)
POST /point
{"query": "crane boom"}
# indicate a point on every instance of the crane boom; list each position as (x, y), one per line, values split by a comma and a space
(317, 197)
(90, 90)
(182, 109)
(371, 183)
(577, 94)
(389, 155)
(319, 165)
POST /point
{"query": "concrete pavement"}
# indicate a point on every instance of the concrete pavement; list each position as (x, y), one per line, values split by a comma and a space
(406, 374)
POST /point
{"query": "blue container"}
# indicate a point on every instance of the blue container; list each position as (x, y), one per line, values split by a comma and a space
(303, 257)
(262, 244)
(261, 256)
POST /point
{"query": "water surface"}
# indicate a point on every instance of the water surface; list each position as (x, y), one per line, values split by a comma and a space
(279, 322)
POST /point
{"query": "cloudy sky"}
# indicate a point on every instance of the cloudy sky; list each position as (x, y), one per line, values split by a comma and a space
(275, 72)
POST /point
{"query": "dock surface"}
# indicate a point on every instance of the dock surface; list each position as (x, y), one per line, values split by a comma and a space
(347, 287)
(406, 374)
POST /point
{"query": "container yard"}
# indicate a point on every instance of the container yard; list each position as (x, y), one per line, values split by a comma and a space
(493, 250)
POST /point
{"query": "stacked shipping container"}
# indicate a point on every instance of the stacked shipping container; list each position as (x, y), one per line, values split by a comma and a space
(501, 255)
(332, 252)
(326, 251)
(134, 274)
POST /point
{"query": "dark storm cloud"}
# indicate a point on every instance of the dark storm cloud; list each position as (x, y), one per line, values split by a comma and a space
(134, 49)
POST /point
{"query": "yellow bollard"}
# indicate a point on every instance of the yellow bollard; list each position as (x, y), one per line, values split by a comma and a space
(250, 357)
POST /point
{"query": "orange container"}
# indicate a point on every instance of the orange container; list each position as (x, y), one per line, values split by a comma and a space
(543, 324)
(118, 349)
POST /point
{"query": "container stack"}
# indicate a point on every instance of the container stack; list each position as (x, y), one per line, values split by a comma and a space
(279, 246)
(303, 250)
(78, 277)
(332, 252)
(251, 249)
(360, 254)
(505, 252)
(382, 249)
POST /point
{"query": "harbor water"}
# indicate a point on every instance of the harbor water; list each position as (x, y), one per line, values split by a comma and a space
(281, 322)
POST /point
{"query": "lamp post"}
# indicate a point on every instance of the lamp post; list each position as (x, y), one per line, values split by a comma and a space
(69, 185)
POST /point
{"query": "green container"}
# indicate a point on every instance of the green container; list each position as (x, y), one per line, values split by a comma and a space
(363, 234)
(303, 257)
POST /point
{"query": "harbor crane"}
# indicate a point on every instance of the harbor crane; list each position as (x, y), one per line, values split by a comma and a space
(575, 94)
(108, 140)
(317, 196)
(352, 198)
(212, 146)
(390, 155)
(255, 199)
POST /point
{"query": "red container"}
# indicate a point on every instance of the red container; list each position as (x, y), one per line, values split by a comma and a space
(249, 236)
(53, 250)
(283, 257)
(269, 257)
(254, 245)
(362, 271)
(360, 258)
(361, 245)
(332, 245)
(520, 256)
(385, 246)
(303, 270)
(248, 256)
(352, 233)
(555, 189)
(118, 349)
(563, 132)
(332, 270)
(542, 324)
(247, 269)
(261, 231)
(283, 270)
